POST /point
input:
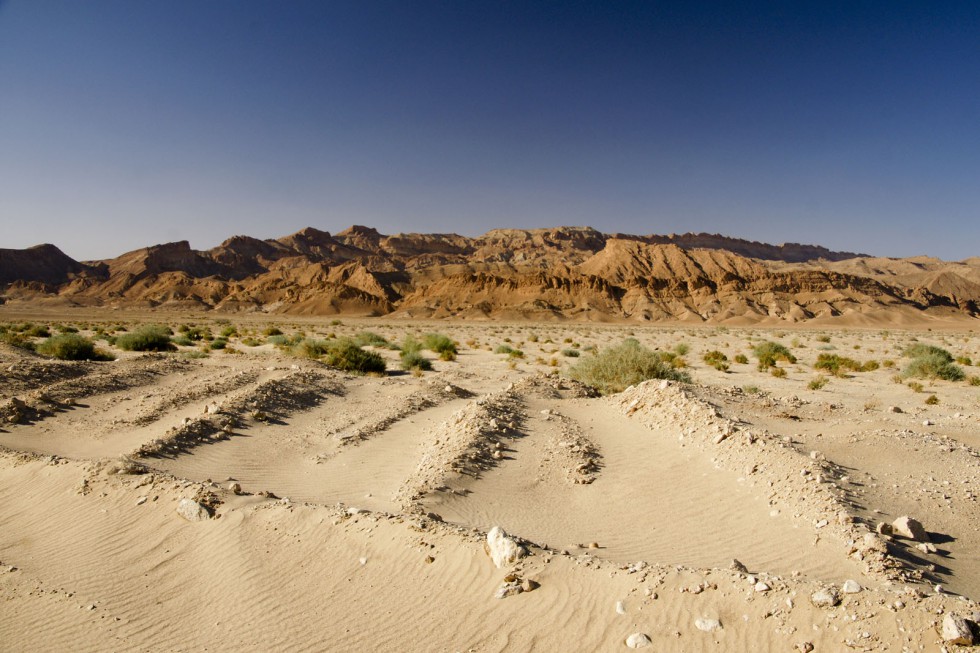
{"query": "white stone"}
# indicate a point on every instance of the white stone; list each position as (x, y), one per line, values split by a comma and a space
(825, 598)
(851, 587)
(638, 640)
(762, 587)
(502, 549)
(192, 511)
(620, 608)
(910, 528)
(707, 625)
(956, 630)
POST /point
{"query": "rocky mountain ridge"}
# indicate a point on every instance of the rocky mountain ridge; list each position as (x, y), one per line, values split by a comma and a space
(560, 273)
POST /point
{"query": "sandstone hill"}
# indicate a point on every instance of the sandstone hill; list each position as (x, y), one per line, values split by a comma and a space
(561, 273)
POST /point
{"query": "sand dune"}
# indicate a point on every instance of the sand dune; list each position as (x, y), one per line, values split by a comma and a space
(363, 503)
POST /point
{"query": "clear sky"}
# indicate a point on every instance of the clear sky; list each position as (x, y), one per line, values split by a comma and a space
(855, 125)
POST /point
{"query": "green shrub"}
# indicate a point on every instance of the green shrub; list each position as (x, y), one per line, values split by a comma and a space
(218, 343)
(271, 331)
(616, 368)
(974, 380)
(964, 360)
(39, 331)
(146, 338)
(835, 364)
(182, 340)
(932, 400)
(778, 372)
(741, 359)
(571, 353)
(414, 360)
(229, 332)
(345, 355)
(751, 389)
(440, 344)
(15, 339)
(682, 349)
(932, 363)
(370, 339)
(310, 348)
(68, 347)
(818, 382)
(769, 353)
(717, 360)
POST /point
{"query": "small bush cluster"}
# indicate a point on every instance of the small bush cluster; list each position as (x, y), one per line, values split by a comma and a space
(440, 344)
(818, 382)
(931, 362)
(717, 360)
(571, 353)
(613, 370)
(837, 365)
(69, 347)
(345, 355)
(146, 338)
(371, 339)
(769, 353)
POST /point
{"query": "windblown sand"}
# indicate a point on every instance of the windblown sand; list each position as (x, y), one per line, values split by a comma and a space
(363, 503)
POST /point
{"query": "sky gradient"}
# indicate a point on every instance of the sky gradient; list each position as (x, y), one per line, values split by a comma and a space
(854, 125)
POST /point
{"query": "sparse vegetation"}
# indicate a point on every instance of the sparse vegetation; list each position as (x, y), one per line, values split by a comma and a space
(741, 359)
(717, 360)
(370, 339)
(932, 400)
(344, 354)
(616, 368)
(818, 382)
(414, 360)
(146, 338)
(571, 353)
(69, 347)
(440, 344)
(769, 353)
(931, 362)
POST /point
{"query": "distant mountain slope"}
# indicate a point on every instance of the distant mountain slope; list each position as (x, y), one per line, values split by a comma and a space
(558, 273)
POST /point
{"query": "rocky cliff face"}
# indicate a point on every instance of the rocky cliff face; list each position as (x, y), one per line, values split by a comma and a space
(560, 273)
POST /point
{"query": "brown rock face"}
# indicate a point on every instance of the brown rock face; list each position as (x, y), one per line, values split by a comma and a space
(560, 273)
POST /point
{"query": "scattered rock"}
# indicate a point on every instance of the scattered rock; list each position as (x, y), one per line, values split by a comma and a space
(894, 409)
(620, 608)
(851, 587)
(192, 511)
(638, 640)
(593, 545)
(736, 565)
(528, 585)
(926, 547)
(910, 528)
(956, 630)
(883, 528)
(235, 488)
(508, 589)
(762, 587)
(502, 549)
(825, 598)
(707, 625)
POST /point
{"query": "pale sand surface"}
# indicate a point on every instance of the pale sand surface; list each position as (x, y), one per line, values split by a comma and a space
(102, 561)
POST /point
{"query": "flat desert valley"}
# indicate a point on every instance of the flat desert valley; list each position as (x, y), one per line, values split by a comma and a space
(240, 493)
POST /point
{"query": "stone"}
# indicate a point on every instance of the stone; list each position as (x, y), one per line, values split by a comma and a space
(926, 547)
(910, 528)
(851, 587)
(528, 585)
(193, 511)
(883, 528)
(707, 625)
(894, 409)
(956, 630)
(638, 640)
(620, 608)
(235, 488)
(508, 589)
(736, 565)
(825, 598)
(762, 587)
(502, 549)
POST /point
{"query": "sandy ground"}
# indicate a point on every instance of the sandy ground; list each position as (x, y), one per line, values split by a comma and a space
(363, 503)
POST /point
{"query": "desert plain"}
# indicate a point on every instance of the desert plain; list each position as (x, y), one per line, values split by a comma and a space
(244, 496)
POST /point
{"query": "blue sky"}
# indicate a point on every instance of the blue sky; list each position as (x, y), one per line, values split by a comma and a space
(854, 125)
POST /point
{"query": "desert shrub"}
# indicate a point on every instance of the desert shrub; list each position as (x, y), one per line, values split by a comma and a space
(504, 349)
(37, 331)
(68, 347)
(67, 328)
(974, 380)
(869, 366)
(182, 340)
(218, 343)
(146, 338)
(616, 368)
(251, 342)
(439, 344)
(917, 387)
(345, 355)
(717, 360)
(310, 348)
(15, 339)
(778, 372)
(818, 382)
(229, 332)
(682, 348)
(931, 362)
(751, 389)
(410, 344)
(271, 331)
(964, 360)
(836, 364)
(414, 360)
(571, 353)
(823, 338)
(769, 353)
(932, 400)
(368, 338)
(741, 359)
(888, 363)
